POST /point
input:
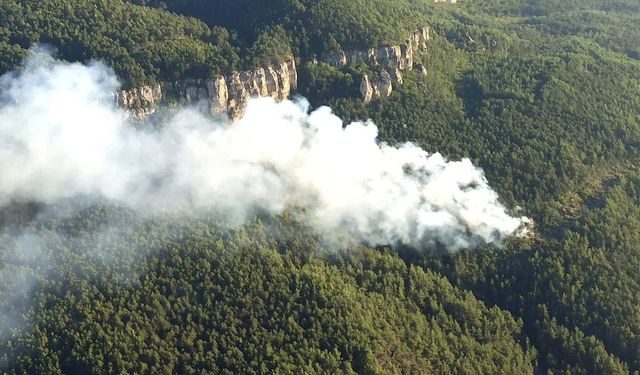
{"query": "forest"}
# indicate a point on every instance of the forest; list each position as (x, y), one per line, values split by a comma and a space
(544, 96)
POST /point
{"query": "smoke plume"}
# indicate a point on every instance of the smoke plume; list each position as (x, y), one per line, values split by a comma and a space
(61, 137)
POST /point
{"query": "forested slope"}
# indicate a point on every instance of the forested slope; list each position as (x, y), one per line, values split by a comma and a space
(219, 299)
(543, 95)
(315, 27)
(139, 43)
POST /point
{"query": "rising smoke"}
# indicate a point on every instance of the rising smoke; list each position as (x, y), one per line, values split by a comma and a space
(62, 137)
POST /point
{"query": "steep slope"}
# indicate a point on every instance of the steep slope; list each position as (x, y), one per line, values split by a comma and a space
(218, 300)
(315, 27)
(141, 44)
(543, 95)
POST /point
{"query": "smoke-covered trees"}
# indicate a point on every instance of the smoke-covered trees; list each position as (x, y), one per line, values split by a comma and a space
(543, 95)
(196, 296)
(552, 122)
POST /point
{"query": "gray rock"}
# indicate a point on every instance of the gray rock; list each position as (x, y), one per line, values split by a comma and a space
(366, 89)
(420, 69)
(216, 96)
(384, 84)
(395, 74)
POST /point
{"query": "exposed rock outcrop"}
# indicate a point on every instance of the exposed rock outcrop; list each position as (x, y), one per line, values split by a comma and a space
(396, 75)
(374, 89)
(384, 84)
(228, 94)
(366, 89)
(391, 59)
(139, 101)
(399, 56)
(420, 69)
(217, 96)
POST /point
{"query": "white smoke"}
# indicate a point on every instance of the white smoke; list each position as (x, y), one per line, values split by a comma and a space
(61, 137)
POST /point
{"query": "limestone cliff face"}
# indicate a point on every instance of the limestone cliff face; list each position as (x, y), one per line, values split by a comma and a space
(399, 56)
(228, 94)
(139, 101)
(222, 95)
(392, 59)
(374, 89)
(366, 89)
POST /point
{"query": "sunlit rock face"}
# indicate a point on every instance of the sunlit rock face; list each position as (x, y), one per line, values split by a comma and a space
(228, 94)
(391, 59)
(221, 95)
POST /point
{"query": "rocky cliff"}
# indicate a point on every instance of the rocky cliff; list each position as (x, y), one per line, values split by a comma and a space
(228, 94)
(391, 59)
(140, 101)
(221, 95)
(393, 56)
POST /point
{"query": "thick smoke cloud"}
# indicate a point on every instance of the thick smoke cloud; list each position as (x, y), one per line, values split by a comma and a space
(62, 137)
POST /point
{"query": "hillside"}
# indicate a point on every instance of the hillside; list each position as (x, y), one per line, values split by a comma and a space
(544, 96)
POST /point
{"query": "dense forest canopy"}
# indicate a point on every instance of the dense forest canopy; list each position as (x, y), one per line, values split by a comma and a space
(316, 26)
(139, 43)
(543, 95)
